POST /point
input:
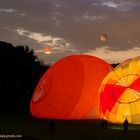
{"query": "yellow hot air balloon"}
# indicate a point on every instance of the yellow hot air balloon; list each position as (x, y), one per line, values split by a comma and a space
(120, 93)
(103, 37)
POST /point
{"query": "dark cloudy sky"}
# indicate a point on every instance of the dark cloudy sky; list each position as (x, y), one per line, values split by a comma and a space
(73, 26)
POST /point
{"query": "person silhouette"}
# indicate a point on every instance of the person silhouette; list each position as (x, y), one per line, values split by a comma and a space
(104, 123)
(51, 125)
(125, 125)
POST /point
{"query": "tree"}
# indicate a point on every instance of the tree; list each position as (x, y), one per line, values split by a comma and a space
(20, 71)
(114, 65)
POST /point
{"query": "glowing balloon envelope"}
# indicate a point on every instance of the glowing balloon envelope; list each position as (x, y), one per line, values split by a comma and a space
(70, 88)
(103, 37)
(47, 50)
(120, 93)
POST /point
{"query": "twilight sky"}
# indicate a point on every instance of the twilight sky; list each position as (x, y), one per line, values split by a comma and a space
(73, 27)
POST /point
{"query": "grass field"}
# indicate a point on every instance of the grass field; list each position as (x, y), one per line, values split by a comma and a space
(30, 128)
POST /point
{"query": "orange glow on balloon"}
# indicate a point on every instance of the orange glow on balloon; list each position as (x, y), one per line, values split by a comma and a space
(69, 89)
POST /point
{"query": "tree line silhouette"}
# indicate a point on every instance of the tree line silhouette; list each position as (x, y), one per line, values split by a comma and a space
(20, 71)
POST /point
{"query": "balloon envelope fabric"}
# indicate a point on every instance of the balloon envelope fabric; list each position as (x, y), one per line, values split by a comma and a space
(70, 89)
(120, 93)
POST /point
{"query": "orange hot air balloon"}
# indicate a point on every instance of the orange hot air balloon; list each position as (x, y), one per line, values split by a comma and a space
(120, 93)
(47, 50)
(69, 89)
(103, 37)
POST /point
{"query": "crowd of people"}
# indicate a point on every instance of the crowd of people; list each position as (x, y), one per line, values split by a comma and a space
(104, 125)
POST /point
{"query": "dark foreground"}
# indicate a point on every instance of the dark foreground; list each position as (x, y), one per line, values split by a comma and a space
(20, 126)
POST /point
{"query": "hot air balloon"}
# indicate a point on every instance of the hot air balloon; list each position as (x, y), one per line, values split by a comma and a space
(69, 89)
(103, 37)
(47, 50)
(120, 93)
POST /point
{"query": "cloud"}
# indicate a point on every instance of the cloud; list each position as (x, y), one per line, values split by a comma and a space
(92, 18)
(114, 56)
(32, 35)
(111, 4)
(7, 10)
(122, 6)
(57, 44)
(88, 17)
(56, 21)
(56, 17)
(11, 11)
(23, 14)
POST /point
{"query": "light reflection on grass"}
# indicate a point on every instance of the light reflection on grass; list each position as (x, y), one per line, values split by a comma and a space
(116, 127)
(120, 127)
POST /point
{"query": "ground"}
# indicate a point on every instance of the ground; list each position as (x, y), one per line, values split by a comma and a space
(30, 128)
